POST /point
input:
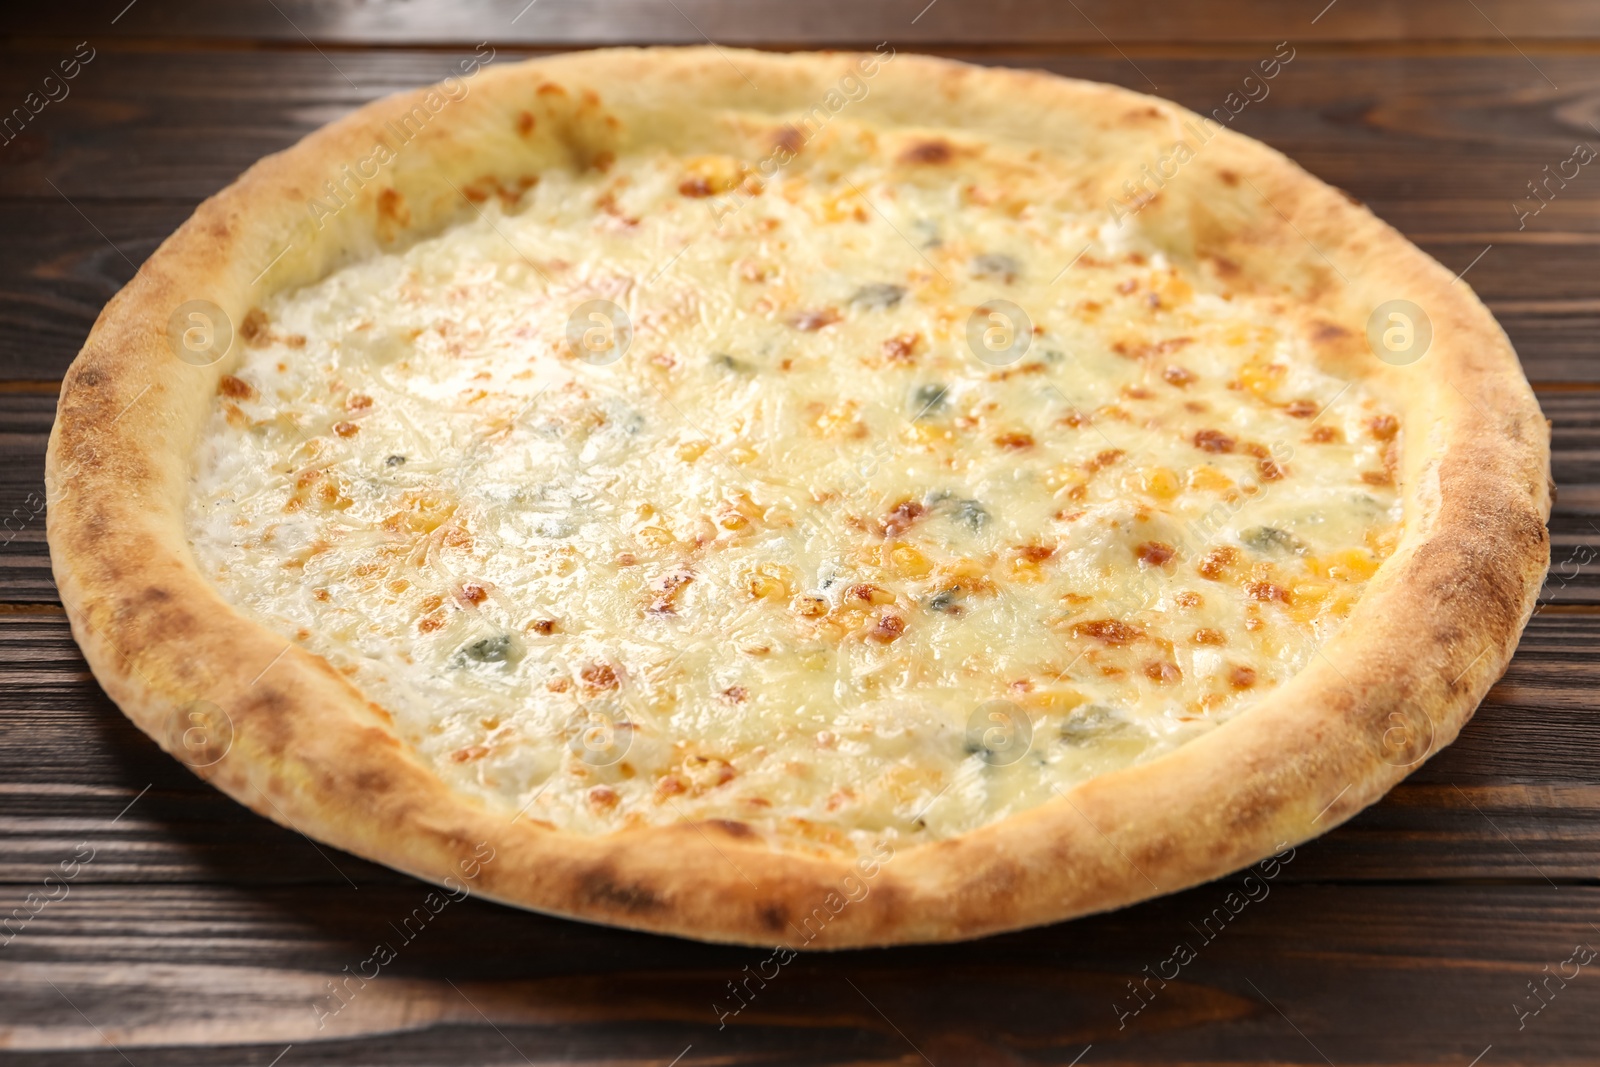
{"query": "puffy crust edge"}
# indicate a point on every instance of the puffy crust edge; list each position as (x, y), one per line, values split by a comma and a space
(1434, 630)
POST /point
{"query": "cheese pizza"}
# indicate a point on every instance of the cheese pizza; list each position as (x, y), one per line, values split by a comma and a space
(819, 500)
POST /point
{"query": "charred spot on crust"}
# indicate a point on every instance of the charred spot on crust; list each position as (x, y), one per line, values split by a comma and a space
(1225, 267)
(267, 714)
(931, 152)
(392, 206)
(373, 783)
(1328, 332)
(733, 828)
(153, 594)
(1229, 178)
(772, 917)
(602, 887)
(788, 138)
(157, 614)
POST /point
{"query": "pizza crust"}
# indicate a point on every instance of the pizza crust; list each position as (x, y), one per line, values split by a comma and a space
(296, 742)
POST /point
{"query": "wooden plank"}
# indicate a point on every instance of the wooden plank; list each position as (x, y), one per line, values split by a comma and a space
(58, 268)
(1575, 437)
(1516, 797)
(1301, 975)
(25, 419)
(1468, 131)
(574, 22)
(1556, 342)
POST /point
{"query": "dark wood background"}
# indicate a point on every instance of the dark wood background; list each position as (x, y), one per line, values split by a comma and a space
(200, 934)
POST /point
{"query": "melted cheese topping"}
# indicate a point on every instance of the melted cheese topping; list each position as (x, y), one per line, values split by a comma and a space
(810, 554)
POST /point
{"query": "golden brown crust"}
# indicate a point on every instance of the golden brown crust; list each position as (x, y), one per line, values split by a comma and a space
(1435, 628)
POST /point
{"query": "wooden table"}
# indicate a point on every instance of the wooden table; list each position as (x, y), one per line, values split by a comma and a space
(189, 931)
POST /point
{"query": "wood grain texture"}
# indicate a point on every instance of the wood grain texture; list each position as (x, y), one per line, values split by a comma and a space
(1353, 974)
(825, 22)
(1456, 135)
(200, 933)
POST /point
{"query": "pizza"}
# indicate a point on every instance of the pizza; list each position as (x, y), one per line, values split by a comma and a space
(805, 500)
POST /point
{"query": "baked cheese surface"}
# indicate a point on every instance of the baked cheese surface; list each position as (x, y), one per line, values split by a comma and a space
(882, 497)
